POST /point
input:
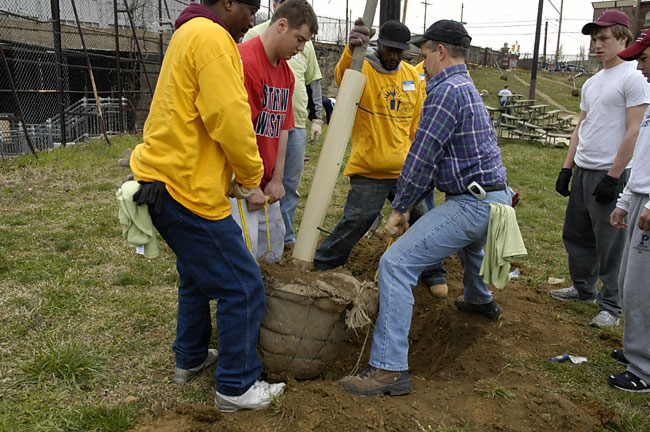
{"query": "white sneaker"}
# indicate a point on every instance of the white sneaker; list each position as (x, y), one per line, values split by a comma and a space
(187, 375)
(604, 320)
(257, 397)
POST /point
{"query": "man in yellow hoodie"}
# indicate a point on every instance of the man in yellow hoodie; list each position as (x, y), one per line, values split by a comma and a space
(197, 135)
(386, 121)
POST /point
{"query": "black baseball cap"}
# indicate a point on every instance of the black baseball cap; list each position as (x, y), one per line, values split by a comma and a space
(448, 31)
(255, 3)
(394, 34)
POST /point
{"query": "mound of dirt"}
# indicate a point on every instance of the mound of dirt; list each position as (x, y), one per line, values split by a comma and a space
(467, 372)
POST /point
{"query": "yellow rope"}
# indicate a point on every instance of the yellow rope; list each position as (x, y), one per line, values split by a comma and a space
(243, 225)
(390, 242)
(266, 215)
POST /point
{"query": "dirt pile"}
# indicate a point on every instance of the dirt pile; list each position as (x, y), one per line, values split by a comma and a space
(467, 372)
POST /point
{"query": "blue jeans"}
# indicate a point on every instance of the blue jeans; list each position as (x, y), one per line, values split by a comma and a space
(294, 163)
(457, 226)
(214, 264)
(364, 202)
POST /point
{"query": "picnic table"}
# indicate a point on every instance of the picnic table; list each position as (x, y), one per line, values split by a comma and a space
(521, 105)
(536, 111)
(507, 124)
(551, 118)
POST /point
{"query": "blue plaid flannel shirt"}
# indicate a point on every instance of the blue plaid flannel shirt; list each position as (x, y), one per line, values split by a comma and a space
(454, 145)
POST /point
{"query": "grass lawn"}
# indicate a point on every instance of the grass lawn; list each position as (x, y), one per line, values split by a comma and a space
(87, 325)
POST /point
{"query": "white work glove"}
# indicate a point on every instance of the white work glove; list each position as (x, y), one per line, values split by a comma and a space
(397, 223)
(359, 34)
(316, 130)
(238, 191)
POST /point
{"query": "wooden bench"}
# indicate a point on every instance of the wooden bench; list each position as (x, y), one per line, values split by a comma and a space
(553, 137)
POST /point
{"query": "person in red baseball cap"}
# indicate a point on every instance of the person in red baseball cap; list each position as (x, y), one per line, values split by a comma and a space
(635, 272)
(599, 159)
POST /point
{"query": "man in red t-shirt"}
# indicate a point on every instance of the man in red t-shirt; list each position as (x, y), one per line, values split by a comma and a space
(269, 82)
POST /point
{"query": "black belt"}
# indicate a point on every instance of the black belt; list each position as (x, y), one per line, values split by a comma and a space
(492, 188)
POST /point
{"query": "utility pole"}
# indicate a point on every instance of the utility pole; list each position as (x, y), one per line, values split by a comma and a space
(559, 32)
(406, 2)
(388, 10)
(347, 21)
(538, 30)
(425, 3)
(635, 24)
(545, 38)
(462, 8)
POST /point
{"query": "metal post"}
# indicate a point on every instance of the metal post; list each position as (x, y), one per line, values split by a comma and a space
(347, 21)
(160, 39)
(137, 45)
(545, 37)
(19, 110)
(559, 32)
(90, 71)
(538, 30)
(118, 57)
(58, 59)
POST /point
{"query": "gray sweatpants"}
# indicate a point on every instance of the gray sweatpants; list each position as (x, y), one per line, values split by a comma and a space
(634, 281)
(593, 245)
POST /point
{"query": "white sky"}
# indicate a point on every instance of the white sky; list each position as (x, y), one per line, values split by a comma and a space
(490, 23)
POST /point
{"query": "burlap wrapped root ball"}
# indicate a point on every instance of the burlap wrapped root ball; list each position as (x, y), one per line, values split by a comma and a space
(305, 321)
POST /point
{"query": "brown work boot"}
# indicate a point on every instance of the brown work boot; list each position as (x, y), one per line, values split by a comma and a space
(372, 381)
(439, 291)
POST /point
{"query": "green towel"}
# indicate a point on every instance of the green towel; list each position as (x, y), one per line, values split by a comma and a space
(504, 244)
(137, 227)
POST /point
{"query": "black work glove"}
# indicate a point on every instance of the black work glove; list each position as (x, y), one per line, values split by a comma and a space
(151, 194)
(562, 183)
(605, 192)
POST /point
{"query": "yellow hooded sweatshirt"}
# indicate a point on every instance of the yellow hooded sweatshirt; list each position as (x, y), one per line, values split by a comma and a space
(199, 129)
(387, 118)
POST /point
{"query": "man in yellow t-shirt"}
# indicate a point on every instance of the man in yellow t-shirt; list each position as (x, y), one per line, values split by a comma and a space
(386, 121)
(197, 135)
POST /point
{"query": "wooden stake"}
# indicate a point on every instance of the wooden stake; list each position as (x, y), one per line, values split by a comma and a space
(336, 141)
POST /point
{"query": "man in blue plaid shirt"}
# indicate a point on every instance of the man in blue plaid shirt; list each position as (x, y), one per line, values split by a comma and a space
(455, 150)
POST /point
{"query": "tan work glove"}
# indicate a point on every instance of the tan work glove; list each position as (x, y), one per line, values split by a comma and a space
(238, 191)
(397, 223)
(316, 130)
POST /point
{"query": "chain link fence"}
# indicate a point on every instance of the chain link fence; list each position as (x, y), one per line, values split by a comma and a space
(65, 62)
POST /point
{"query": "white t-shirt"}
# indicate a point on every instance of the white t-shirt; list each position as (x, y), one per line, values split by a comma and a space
(605, 98)
(639, 181)
(504, 95)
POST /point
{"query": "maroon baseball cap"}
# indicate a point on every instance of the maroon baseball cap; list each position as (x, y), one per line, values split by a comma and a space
(639, 45)
(607, 19)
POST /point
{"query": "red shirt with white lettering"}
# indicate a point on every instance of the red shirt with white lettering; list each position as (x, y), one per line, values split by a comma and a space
(270, 91)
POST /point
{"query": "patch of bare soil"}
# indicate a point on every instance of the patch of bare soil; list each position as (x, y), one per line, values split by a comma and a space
(468, 372)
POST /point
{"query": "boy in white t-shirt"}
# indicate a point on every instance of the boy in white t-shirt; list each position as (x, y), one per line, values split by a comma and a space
(635, 271)
(600, 152)
(504, 96)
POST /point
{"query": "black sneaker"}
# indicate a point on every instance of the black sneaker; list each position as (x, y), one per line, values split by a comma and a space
(490, 310)
(629, 382)
(619, 356)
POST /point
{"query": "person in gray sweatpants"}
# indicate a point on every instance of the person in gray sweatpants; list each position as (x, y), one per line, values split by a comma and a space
(600, 150)
(634, 280)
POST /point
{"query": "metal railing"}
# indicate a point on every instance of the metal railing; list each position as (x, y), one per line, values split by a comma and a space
(81, 122)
